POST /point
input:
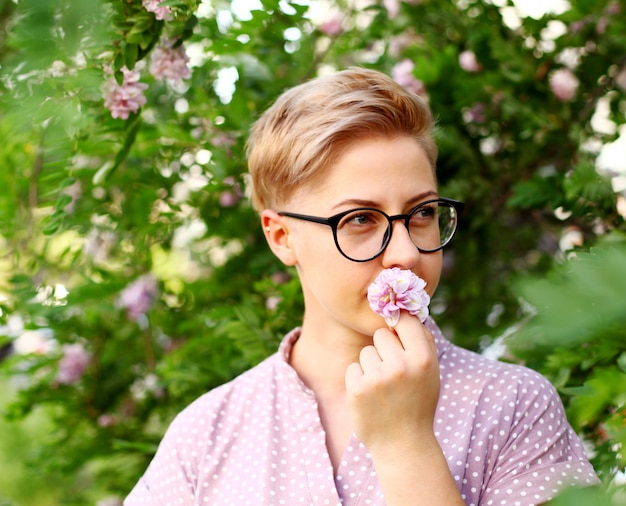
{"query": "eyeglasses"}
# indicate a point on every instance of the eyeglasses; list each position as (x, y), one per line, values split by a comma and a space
(362, 234)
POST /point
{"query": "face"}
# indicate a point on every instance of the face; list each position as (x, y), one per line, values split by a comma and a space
(393, 175)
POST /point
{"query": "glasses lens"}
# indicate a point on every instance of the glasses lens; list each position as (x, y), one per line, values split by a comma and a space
(361, 233)
(432, 225)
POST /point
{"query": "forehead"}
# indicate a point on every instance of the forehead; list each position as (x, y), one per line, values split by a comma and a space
(382, 171)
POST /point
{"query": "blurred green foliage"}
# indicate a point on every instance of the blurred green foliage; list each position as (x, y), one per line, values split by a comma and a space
(577, 339)
(90, 204)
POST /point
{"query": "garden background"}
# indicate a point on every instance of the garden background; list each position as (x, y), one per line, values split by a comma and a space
(133, 272)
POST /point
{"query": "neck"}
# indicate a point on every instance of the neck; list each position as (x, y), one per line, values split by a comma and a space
(321, 357)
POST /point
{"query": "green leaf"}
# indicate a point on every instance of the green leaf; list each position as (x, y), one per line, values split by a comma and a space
(52, 226)
(131, 53)
(621, 361)
(134, 125)
(118, 63)
(533, 193)
(67, 182)
(63, 201)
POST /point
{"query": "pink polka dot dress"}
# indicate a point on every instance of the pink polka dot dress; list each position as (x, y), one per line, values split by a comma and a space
(258, 440)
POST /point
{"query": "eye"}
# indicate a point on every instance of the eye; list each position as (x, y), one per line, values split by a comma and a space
(361, 219)
(424, 214)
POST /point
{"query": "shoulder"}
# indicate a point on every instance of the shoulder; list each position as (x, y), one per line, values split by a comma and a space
(501, 398)
(222, 408)
(464, 366)
(227, 401)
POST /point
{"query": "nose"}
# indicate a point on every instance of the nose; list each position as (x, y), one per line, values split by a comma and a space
(400, 251)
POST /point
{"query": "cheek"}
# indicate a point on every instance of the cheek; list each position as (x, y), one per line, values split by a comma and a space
(430, 271)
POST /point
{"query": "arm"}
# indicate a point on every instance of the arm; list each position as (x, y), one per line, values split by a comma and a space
(392, 394)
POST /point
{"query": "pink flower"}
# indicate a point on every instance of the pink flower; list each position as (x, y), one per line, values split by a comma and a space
(395, 289)
(398, 43)
(468, 62)
(333, 26)
(223, 140)
(393, 8)
(280, 278)
(73, 364)
(160, 13)
(475, 114)
(620, 79)
(230, 197)
(170, 63)
(603, 22)
(402, 73)
(128, 97)
(613, 9)
(107, 420)
(138, 297)
(564, 84)
(271, 303)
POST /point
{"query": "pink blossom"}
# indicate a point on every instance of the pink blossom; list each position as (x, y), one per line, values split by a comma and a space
(271, 303)
(475, 114)
(223, 140)
(160, 13)
(393, 8)
(128, 97)
(73, 363)
(468, 61)
(138, 297)
(170, 63)
(402, 73)
(333, 26)
(107, 420)
(398, 43)
(620, 78)
(613, 9)
(280, 278)
(577, 26)
(395, 289)
(564, 84)
(230, 197)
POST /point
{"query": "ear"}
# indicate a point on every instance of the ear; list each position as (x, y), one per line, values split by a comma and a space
(278, 236)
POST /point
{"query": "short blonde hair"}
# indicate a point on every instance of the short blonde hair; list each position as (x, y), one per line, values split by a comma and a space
(310, 125)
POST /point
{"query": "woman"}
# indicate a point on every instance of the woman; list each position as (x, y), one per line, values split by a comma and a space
(350, 411)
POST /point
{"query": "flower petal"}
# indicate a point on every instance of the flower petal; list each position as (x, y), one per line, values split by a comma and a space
(396, 289)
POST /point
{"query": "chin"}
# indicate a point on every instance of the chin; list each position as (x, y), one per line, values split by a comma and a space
(370, 324)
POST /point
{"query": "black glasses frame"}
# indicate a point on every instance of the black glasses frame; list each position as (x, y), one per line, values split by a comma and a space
(333, 222)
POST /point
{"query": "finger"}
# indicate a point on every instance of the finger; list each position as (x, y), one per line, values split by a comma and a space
(413, 335)
(387, 344)
(369, 358)
(354, 374)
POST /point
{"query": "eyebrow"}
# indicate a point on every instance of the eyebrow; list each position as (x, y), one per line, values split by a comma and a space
(371, 203)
